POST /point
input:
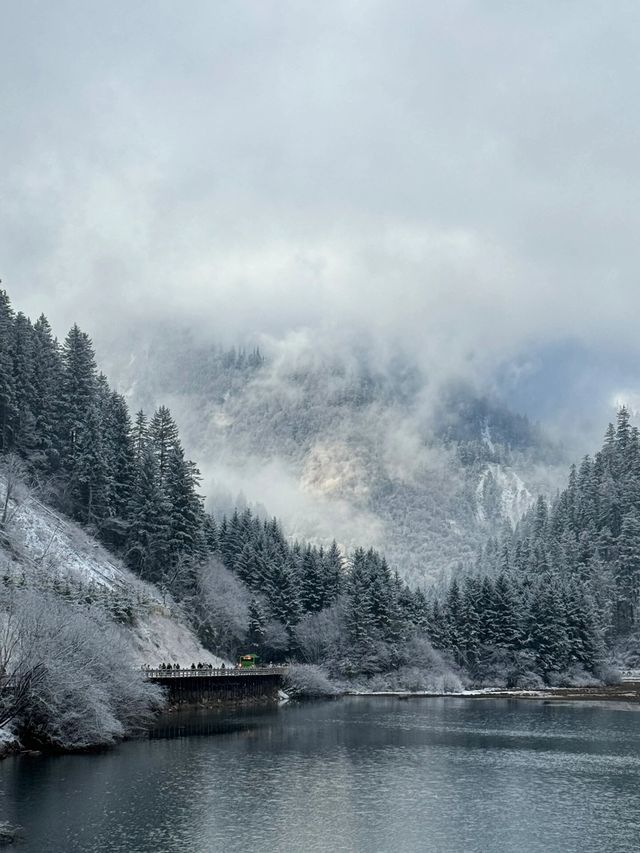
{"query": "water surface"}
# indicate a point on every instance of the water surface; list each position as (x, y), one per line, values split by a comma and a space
(376, 774)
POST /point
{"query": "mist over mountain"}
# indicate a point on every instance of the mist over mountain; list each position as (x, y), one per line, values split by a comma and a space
(448, 182)
(338, 446)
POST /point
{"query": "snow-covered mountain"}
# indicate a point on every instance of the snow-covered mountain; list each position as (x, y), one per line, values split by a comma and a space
(379, 457)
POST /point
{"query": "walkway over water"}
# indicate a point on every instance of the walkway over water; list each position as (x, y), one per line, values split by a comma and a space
(220, 686)
(205, 672)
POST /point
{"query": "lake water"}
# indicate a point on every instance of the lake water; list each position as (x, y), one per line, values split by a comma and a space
(359, 774)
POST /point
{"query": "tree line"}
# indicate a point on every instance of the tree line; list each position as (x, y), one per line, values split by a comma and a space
(565, 581)
(128, 481)
(549, 596)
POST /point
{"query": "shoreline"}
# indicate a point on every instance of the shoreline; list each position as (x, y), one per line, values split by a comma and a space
(628, 692)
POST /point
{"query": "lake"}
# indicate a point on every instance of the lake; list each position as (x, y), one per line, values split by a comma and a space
(358, 774)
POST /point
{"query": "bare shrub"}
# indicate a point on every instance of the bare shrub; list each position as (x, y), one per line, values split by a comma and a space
(221, 609)
(308, 681)
(318, 635)
(89, 691)
(12, 492)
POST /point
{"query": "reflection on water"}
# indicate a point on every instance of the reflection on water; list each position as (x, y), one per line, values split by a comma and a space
(354, 775)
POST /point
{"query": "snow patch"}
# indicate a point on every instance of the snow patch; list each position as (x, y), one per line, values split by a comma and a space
(46, 545)
(515, 498)
(486, 437)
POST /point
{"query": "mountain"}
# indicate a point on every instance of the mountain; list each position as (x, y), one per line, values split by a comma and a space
(339, 449)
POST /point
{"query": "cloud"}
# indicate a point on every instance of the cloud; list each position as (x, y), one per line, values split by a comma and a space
(455, 180)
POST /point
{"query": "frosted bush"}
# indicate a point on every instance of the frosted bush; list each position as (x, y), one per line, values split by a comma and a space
(306, 680)
(90, 692)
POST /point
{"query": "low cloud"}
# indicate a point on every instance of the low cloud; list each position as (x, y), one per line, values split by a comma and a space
(452, 181)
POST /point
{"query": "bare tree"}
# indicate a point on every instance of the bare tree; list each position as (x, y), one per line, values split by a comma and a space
(12, 489)
(85, 689)
(19, 675)
(220, 609)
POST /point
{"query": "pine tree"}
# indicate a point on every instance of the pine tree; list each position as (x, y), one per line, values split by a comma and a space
(489, 628)
(120, 455)
(437, 630)
(186, 513)
(358, 617)
(47, 381)
(470, 629)
(210, 532)
(627, 573)
(25, 391)
(547, 633)
(147, 540)
(311, 581)
(508, 619)
(8, 405)
(140, 437)
(88, 482)
(333, 572)
(454, 620)
(256, 628)
(164, 439)
(78, 391)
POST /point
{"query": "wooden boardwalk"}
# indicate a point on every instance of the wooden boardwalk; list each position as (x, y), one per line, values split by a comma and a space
(227, 672)
(215, 687)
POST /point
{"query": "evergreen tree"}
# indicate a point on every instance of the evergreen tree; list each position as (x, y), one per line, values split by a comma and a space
(47, 382)
(78, 391)
(185, 510)
(257, 621)
(8, 404)
(627, 573)
(25, 392)
(164, 439)
(120, 455)
(311, 581)
(147, 540)
(88, 484)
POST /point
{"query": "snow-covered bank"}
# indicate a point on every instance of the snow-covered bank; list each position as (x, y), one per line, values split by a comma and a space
(49, 551)
(75, 627)
(9, 743)
(627, 692)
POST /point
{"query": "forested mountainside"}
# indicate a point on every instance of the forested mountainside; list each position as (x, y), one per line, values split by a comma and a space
(339, 449)
(240, 582)
(563, 589)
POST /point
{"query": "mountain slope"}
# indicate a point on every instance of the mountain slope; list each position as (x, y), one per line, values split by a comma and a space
(338, 449)
(46, 551)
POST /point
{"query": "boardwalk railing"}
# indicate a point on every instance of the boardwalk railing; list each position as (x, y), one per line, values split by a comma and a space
(214, 673)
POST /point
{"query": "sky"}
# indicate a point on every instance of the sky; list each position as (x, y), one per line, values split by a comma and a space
(457, 181)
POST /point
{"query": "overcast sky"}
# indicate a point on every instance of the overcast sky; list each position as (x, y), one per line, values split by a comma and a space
(457, 178)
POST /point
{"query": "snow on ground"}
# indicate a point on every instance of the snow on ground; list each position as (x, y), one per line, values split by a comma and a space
(7, 738)
(8, 742)
(159, 639)
(49, 540)
(46, 543)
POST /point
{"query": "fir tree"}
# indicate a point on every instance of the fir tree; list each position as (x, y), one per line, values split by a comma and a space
(8, 405)
(164, 439)
(78, 391)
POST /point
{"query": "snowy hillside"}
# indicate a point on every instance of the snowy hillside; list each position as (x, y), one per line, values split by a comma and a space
(47, 551)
